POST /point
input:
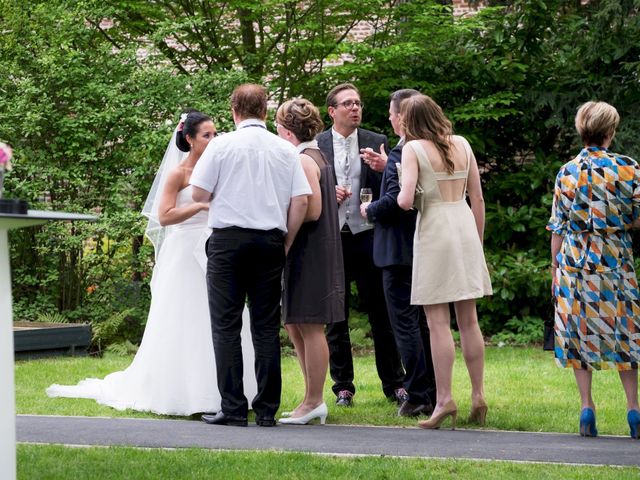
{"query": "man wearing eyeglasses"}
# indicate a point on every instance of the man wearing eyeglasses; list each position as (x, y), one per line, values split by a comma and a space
(342, 144)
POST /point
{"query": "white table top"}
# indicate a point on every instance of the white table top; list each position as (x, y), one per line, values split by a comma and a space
(38, 217)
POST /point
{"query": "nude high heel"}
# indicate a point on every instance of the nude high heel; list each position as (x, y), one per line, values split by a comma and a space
(479, 413)
(434, 422)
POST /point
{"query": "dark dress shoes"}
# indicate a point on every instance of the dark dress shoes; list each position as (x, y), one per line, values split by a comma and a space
(221, 418)
(412, 410)
(345, 398)
(265, 421)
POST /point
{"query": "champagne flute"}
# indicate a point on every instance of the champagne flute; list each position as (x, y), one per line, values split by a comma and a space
(346, 184)
(366, 195)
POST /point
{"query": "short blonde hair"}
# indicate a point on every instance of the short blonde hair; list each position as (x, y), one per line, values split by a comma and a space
(596, 121)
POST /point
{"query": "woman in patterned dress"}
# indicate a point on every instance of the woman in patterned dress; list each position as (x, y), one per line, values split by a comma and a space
(597, 305)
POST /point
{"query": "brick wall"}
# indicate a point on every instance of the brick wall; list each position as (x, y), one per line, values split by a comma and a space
(463, 7)
(460, 7)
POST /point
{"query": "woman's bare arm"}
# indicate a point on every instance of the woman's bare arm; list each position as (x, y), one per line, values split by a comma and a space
(312, 172)
(168, 213)
(409, 179)
(474, 189)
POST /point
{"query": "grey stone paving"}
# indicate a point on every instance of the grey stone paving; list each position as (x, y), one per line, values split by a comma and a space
(332, 439)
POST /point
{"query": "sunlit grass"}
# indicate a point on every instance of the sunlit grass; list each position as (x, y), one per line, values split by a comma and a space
(524, 388)
(57, 462)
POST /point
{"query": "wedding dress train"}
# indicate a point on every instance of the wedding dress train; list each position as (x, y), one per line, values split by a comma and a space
(173, 372)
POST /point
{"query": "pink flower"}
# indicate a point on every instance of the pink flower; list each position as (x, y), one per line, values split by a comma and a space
(6, 153)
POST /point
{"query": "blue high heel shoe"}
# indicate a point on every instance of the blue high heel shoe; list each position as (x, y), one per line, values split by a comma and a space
(588, 423)
(633, 417)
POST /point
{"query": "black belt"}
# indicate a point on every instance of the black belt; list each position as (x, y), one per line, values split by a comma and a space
(273, 231)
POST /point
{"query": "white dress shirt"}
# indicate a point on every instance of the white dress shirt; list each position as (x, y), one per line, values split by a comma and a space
(253, 174)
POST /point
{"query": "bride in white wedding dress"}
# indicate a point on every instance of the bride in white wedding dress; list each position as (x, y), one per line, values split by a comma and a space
(173, 372)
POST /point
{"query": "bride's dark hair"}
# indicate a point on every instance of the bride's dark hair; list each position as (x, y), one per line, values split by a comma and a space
(190, 127)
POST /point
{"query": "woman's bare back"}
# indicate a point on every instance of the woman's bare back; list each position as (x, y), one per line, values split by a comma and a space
(451, 189)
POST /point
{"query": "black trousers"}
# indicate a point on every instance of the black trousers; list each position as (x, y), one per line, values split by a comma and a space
(410, 328)
(245, 263)
(357, 251)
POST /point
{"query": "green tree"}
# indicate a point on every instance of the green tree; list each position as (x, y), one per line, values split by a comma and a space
(511, 78)
(90, 89)
(283, 43)
(89, 122)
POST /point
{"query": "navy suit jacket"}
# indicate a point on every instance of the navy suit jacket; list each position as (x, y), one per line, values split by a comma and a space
(368, 178)
(393, 235)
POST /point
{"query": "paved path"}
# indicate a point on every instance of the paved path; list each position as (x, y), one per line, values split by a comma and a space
(332, 439)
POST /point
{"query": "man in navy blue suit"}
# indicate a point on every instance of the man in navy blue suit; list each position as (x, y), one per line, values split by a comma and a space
(342, 145)
(393, 252)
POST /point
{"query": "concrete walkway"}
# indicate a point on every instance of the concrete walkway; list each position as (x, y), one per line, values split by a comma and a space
(332, 439)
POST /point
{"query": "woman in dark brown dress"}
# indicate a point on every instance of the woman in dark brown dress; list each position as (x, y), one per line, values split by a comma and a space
(313, 293)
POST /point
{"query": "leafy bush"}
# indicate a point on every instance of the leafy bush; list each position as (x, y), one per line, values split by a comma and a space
(521, 288)
(51, 317)
(520, 331)
(89, 109)
(89, 122)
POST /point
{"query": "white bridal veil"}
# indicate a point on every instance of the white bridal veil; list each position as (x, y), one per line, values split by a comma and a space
(172, 157)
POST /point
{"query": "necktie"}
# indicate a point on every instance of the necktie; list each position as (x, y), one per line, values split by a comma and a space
(347, 174)
(347, 165)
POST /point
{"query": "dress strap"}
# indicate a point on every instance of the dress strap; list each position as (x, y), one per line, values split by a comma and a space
(421, 153)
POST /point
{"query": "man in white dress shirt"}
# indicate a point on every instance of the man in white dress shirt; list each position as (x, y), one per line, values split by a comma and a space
(258, 193)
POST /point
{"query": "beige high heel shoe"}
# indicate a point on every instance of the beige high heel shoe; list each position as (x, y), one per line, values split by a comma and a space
(449, 410)
(479, 413)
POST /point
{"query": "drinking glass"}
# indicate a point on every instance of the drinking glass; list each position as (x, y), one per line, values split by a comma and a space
(366, 195)
(346, 184)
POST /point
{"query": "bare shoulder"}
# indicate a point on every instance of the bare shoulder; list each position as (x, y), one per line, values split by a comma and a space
(308, 163)
(176, 178)
(459, 141)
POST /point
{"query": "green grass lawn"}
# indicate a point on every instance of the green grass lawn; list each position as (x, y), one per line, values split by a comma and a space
(56, 462)
(525, 391)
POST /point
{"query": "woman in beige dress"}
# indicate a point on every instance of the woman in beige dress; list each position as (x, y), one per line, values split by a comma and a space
(448, 260)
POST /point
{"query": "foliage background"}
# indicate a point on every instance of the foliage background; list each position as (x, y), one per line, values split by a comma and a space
(89, 93)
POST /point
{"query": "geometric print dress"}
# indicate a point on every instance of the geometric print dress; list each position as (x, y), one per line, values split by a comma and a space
(597, 306)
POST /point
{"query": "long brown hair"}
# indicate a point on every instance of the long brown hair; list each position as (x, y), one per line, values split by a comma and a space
(423, 119)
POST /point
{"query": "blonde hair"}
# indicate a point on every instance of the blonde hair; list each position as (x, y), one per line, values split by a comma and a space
(423, 119)
(596, 121)
(300, 117)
